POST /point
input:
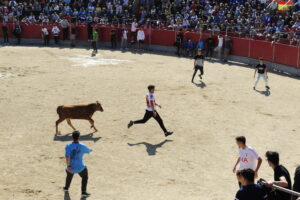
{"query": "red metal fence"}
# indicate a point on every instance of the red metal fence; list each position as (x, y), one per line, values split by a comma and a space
(270, 51)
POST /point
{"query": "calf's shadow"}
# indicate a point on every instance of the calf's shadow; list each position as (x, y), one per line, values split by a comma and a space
(68, 137)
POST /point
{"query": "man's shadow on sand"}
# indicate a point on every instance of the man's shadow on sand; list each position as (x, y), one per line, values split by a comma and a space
(200, 85)
(68, 137)
(151, 148)
(67, 197)
(265, 92)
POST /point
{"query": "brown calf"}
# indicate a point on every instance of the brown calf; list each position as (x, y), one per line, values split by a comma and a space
(77, 112)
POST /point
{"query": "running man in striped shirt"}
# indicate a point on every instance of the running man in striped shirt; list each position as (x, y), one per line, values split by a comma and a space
(151, 111)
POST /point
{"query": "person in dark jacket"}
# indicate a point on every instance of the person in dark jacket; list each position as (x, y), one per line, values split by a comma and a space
(5, 32)
(296, 186)
(210, 42)
(17, 32)
(227, 47)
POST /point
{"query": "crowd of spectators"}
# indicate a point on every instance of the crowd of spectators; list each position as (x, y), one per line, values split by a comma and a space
(253, 17)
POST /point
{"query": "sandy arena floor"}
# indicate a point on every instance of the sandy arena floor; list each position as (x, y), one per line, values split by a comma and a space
(137, 164)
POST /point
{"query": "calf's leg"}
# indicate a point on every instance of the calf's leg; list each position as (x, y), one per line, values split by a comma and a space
(70, 124)
(92, 124)
(57, 122)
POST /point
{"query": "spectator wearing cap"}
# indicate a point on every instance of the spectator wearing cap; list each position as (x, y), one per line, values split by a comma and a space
(74, 153)
(281, 176)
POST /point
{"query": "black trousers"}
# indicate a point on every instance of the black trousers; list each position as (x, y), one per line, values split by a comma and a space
(113, 41)
(5, 36)
(56, 39)
(46, 39)
(147, 116)
(18, 36)
(84, 179)
(65, 33)
(94, 45)
(200, 68)
(209, 52)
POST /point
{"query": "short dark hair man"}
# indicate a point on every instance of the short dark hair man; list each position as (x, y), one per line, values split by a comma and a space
(281, 176)
(248, 158)
(75, 165)
(151, 111)
(249, 191)
(262, 72)
(198, 64)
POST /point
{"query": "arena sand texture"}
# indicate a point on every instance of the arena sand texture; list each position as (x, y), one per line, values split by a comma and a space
(138, 163)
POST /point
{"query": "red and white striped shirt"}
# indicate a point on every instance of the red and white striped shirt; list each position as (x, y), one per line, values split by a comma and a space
(150, 97)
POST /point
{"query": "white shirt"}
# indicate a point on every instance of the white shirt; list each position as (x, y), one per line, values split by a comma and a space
(141, 35)
(45, 31)
(134, 26)
(220, 42)
(55, 30)
(150, 97)
(125, 31)
(248, 158)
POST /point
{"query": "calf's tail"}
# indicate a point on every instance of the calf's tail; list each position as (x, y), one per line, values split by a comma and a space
(59, 110)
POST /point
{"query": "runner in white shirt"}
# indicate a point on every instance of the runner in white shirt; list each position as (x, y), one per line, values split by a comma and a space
(151, 111)
(248, 158)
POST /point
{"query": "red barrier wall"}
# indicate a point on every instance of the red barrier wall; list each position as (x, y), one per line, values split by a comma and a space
(278, 53)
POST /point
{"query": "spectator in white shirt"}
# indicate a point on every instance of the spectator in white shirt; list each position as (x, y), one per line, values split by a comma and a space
(140, 37)
(248, 158)
(133, 29)
(55, 32)
(124, 37)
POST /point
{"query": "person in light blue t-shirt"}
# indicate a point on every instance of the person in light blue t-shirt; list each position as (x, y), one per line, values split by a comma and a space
(75, 165)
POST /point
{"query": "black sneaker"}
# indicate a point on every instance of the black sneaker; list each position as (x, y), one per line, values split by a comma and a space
(254, 88)
(130, 124)
(66, 189)
(85, 194)
(267, 87)
(200, 77)
(168, 133)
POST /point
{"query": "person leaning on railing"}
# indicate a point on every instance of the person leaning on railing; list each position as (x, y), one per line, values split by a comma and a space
(281, 176)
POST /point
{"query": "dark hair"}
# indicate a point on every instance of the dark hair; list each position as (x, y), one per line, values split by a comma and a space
(261, 58)
(75, 135)
(273, 157)
(241, 139)
(247, 174)
(151, 87)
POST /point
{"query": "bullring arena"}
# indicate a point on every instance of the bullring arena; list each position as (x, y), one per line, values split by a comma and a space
(139, 163)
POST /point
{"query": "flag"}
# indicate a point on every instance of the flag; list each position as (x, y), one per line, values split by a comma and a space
(285, 5)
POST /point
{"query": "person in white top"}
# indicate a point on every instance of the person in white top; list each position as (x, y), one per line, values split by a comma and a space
(45, 36)
(133, 29)
(124, 37)
(248, 158)
(151, 111)
(219, 48)
(55, 32)
(140, 37)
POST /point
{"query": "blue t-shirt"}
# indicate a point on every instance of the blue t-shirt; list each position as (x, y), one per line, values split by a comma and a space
(76, 151)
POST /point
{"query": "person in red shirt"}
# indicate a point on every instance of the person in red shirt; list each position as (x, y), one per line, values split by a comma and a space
(151, 112)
